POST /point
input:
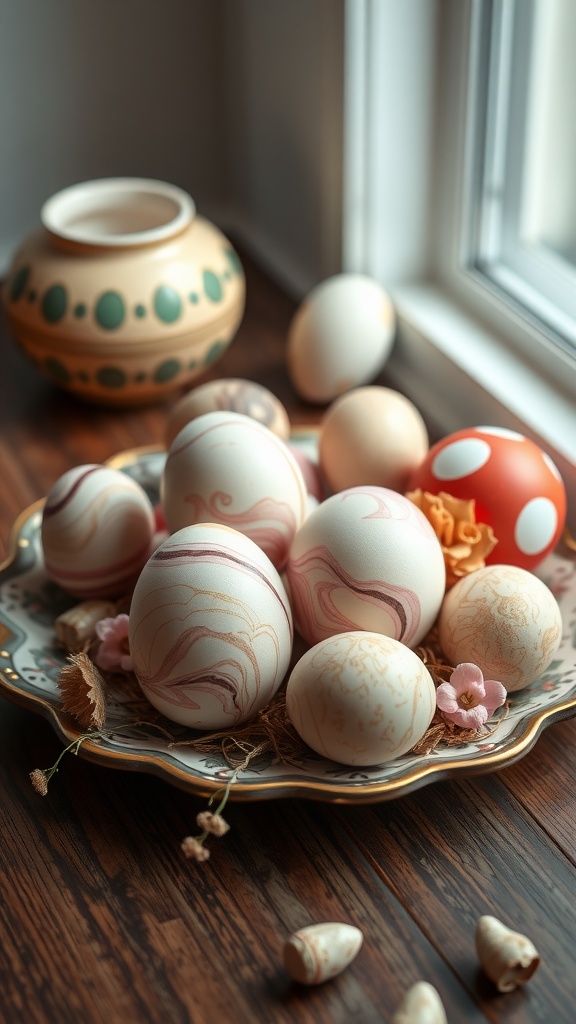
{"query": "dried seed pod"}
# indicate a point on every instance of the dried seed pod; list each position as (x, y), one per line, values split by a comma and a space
(76, 628)
(321, 951)
(508, 958)
(421, 1005)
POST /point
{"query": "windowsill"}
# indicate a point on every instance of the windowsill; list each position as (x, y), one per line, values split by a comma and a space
(458, 374)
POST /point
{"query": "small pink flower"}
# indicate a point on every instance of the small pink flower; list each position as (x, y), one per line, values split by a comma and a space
(114, 651)
(468, 699)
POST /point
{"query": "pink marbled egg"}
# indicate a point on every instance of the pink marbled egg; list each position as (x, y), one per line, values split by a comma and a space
(97, 528)
(227, 468)
(366, 559)
(210, 628)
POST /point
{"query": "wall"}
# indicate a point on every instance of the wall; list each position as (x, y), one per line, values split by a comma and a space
(285, 76)
(237, 101)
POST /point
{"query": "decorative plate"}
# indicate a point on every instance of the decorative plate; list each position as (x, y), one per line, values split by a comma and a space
(30, 662)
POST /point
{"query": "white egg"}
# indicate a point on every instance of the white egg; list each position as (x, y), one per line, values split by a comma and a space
(366, 558)
(360, 698)
(97, 529)
(210, 628)
(503, 619)
(340, 336)
(224, 467)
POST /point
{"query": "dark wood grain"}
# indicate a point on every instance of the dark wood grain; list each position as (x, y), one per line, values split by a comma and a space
(103, 920)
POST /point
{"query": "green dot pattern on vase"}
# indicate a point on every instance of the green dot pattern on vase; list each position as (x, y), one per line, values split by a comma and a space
(234, 261)
(214, 352)
(57, 370)
(212, 286)
(167, 304)
(110, 310)
(54, 303)
(167, 371)
(139, 310)
(111, 377)
(19, 282)
(80, 310)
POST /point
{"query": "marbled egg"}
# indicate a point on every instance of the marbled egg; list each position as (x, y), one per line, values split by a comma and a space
(360, 698)
(233, 394)
(367, 559)
(503, 619)
(97, 529)
(210, 628)
(226, 468)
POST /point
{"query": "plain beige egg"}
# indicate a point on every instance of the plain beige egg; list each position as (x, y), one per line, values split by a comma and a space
(371, 435)
(340, 336)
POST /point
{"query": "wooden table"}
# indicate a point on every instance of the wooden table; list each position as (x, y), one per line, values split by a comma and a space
(101, 917)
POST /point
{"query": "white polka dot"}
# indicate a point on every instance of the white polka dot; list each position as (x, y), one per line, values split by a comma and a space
(461, 458)
(536, 526)
(552, 466)
(512, 435)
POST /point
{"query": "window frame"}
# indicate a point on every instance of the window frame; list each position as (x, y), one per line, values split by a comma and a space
(407, 222)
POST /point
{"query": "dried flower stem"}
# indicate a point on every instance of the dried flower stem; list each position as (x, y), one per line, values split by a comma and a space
(193, 846)
(40, 777)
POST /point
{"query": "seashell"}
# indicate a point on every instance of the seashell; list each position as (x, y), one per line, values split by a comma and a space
(321, 951)
(421, 1005)
(508, 958)
(76, 627)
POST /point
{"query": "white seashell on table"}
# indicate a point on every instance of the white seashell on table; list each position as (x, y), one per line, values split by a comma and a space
(321, 951)
(421, 1005)
(508, 958)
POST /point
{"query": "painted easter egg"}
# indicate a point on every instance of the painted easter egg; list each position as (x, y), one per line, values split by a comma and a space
(226, 468)
(517, 489)
(233, 394)
(210, 628)
(97, 529)
(360, 698)
(503, 619)
(366, 559)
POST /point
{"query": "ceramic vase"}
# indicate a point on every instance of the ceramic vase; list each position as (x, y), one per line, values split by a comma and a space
(124, 294)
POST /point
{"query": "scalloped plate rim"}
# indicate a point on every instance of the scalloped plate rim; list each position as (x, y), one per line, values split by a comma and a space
(291, 785)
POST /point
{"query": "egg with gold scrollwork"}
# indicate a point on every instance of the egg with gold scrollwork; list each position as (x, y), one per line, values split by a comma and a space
(505, 620)
(360, 698)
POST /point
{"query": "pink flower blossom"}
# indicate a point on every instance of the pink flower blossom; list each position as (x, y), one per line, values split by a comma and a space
(113, 651)
(468, 699)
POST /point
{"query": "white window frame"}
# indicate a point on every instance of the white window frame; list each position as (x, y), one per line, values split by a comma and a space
(463, 355)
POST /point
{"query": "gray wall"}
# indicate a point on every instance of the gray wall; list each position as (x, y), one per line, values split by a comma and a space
(237, 101)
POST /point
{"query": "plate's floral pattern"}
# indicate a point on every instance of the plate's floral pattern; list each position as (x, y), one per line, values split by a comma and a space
(30, 662)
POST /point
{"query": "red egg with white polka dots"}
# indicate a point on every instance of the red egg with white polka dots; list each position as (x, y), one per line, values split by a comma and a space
(516, 487)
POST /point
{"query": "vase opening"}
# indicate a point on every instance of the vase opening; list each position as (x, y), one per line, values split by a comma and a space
(118, 212)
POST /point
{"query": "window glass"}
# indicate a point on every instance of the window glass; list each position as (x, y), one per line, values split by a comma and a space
(523, 235)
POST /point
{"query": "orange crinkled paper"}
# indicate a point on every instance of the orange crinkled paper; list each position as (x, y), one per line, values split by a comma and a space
(465, 543)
